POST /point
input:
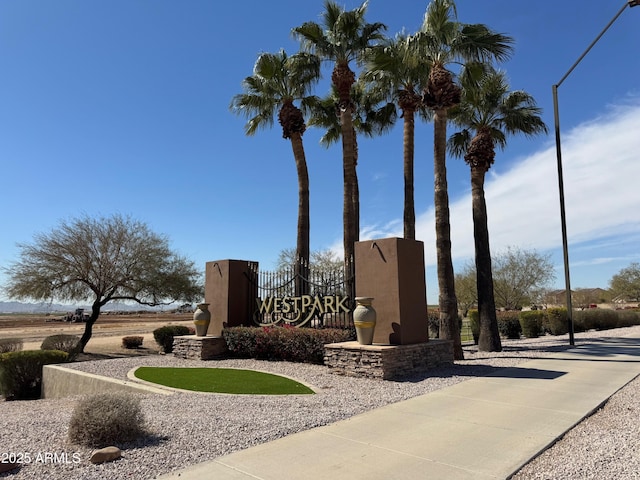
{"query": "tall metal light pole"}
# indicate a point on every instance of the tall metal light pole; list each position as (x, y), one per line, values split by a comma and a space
(563, 218)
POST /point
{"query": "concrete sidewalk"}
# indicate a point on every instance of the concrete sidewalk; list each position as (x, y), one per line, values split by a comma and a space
(483, 428)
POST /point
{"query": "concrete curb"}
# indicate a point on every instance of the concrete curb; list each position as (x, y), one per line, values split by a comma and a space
(59, 382)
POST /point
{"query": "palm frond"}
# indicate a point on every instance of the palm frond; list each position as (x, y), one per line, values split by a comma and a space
(343, 36)
(488, 104)
(277, 79)
(477, 42)
(459, 142)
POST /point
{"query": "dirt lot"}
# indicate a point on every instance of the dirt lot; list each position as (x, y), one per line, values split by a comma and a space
(107, 331)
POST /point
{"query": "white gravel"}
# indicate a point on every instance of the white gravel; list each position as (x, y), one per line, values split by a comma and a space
(189, 428)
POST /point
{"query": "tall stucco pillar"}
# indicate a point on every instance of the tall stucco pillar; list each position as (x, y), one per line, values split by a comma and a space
(230, 289)
(392, 271)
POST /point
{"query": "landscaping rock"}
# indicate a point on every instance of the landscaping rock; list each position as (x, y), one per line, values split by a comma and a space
(7, 467)
(107, 454)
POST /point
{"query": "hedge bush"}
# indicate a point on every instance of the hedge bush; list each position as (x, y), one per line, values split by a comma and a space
(628, 318)
(10, 345)
(305, 345)
(531, 322)
(164, 336)
(63, 342)
(603, 319)
(107, 419)
(555, 321)
(509, 324)
(21, 372)
(133, 341)
(474, 323)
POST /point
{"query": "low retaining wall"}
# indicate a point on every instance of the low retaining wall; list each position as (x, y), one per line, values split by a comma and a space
(199, 348)
(58, 382)
(386, 362)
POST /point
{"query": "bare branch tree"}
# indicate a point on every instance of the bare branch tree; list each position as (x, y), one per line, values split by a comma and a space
(102, 260)
(519, 276)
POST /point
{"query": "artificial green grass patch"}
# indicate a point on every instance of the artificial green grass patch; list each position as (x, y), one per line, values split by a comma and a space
(222, 380)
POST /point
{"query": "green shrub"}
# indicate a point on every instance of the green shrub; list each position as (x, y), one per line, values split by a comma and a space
(10, 345)
(595, 319)
(531, 323)
(509, 324)
(628, 318)
(604, 319)
(555, 321)
(164, 336)
(133, 341)
(62, 342)
(21, 372)
(581, 323)
(474, 323)
(106, 419)
(304, 345)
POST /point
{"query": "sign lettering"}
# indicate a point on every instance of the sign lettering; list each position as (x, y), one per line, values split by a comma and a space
(303, 307)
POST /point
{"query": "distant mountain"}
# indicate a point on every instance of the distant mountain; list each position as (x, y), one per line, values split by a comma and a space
(19, 307)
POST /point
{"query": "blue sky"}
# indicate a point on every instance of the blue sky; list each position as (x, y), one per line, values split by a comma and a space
(122, 106)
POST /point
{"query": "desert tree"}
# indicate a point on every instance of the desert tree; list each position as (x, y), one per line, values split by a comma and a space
(489, 112)
(341, 38)
(466, 289)
(277, 81)
(325, 276)
(520, 276)
(325, 260)
(101, 260)
(445, 42)
(626, 283)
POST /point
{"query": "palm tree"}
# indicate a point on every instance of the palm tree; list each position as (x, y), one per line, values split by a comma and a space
(445, 41)
(397, 68)
(487, 114)
(371, 117)
(343, 37)
(276, 82)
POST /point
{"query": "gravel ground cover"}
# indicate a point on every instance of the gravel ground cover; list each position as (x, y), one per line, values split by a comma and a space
(188, 428)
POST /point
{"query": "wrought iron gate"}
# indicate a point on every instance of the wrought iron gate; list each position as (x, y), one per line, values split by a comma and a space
(304, 296)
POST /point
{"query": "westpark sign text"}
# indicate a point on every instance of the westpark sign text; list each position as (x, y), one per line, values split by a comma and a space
(302, 308)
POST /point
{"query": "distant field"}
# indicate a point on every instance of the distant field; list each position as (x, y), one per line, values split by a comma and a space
(27, 319)
(37, 326)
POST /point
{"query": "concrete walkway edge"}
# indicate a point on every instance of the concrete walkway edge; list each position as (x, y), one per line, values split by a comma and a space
(483, 428)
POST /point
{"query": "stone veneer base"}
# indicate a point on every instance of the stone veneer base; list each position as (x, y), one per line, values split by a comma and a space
(199, 348)
(386, 362)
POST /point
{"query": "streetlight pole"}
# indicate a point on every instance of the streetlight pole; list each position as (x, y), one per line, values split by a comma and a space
(563, 218)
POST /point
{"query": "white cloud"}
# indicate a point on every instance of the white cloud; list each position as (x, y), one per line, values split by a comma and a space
(601, 174)
(391, 229)
(602, 198)
(603, 261)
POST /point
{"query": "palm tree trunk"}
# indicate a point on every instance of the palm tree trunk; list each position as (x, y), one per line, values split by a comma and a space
(449, 328)
(409, 207)
(489, 340)
(356, 190)
(350, 179)
(301, 268)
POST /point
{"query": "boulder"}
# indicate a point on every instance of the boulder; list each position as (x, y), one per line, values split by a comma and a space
(107, 454)
(7, 467)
